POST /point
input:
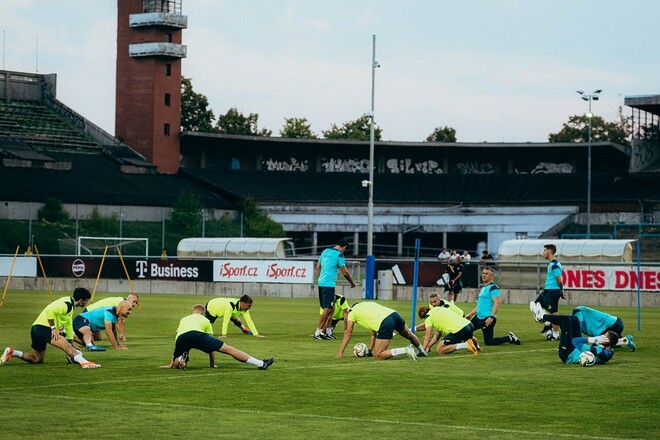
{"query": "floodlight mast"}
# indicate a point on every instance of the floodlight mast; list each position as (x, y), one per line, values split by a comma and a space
(371, 261)
(589, 98)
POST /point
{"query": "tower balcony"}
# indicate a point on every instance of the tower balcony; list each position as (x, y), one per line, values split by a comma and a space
(171, 50)
(164, 19)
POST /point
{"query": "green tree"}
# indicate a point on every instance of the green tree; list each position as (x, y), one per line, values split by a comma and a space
(53, 211)
(186, 214)
(99, 226)
(235, 122)
(297, 128)
(442, 134)
(577, 130)
(257, 223)
(356, 130)
(195, 112)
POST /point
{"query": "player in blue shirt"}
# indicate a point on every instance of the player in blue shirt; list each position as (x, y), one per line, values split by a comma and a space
(331, 260)
(595, 323)
(104, 318)
(554, 289)
(571, 342)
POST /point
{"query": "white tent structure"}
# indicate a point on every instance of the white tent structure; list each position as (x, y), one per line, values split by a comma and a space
(235, 247)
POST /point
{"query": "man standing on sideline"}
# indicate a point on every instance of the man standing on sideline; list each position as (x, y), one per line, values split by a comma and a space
(196, 331)
(382, 321)
(56, 317)
(484, 315)
(454, 285)
(229, 309)
(331, 260)
(554, 289)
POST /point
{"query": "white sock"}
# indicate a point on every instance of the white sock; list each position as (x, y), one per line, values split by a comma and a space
(79, 358)
(555, 334)
(452, 301)
(398, 351)
(461, 346)
(317, 332)
(328, 331)
(420, 349)
(256, 362)
(90, 344)
(622, 342)
(18, 353)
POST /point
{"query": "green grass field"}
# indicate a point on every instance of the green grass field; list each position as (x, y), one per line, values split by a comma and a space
(507, 392)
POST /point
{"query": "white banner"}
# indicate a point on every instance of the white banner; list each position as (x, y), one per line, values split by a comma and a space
(264, 271)
(611, 278)
(24, 266)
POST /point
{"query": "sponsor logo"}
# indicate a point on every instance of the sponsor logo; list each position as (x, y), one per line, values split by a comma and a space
(155, 270)
(78, 268)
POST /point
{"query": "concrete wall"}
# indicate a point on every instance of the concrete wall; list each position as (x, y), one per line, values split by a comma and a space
(400, 293)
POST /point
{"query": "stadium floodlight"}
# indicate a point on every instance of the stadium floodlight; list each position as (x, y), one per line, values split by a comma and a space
(371, 261)
(589, 98)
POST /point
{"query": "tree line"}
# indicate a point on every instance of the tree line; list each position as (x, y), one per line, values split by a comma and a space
(197, 115)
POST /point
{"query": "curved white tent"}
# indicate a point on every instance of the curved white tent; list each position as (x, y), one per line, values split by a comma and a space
(582, 251)
(235, 247)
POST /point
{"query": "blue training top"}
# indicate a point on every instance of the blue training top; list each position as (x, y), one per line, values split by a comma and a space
(331, 260)
(554, 271)
(485, 300)
(593, 322)
(97, 317)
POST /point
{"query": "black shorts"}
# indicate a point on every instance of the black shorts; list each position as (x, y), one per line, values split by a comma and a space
(460, 336)
(617, 327)
(327, 297)
(199, 340)
(392, 322)
(549, 300)
(78, 323)
(41, 336)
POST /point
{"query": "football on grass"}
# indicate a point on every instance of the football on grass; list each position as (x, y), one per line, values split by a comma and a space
(587, 359)
(360, 349)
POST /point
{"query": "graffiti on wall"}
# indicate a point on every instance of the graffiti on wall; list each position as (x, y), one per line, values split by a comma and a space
(291, 164)
(549, 168)
(410, 166)
(645, 154)
(334, 165)
(475, 168)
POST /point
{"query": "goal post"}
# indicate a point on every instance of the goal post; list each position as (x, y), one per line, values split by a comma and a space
(128, 246)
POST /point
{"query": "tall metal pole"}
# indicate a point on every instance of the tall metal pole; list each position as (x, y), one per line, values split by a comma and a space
(371, 261)
(590, 116)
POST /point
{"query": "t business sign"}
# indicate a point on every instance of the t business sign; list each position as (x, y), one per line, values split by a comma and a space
(263, 271)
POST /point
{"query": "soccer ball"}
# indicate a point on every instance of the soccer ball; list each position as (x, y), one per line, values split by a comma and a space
(587, 359)
(360, 349)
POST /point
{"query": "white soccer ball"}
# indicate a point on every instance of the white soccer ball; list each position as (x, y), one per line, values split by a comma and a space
(587, 359)
(360, 349)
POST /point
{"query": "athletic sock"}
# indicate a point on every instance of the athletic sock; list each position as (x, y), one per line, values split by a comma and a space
(80, 359)
(398, 351)
(18, 354)
(461, 346)
(621, 343)
(256, 362)
(555, 334)
(420, 349)
(318, 332)
(328, 331)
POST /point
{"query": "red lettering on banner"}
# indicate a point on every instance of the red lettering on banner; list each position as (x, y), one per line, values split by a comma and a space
(228, 271)
(572, 279)
(649, 280)
(599, 278)
(276, 272)
(587, 279)
(620, 279)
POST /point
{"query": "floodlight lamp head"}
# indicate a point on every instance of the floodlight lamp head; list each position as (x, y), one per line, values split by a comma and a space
(376, 64)
(590, 115)
(596, 92)
(585, 98)
(579, 92)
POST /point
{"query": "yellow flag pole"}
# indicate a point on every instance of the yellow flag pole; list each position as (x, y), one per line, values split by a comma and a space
(11, 269)
(50, 293)
(105, 251)
(128, 277)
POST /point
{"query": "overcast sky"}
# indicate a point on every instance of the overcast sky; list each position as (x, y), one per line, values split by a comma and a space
(495, 70)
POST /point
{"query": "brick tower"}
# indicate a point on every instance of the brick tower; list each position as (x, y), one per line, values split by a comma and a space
(148, 95)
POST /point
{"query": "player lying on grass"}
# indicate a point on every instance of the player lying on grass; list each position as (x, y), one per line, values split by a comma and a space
(88, 323)
(458, 331)
(382, 321)
(195, 331)
(47, 328)
(595, 323)
(114, 301)
(571, 341)
(436, 301)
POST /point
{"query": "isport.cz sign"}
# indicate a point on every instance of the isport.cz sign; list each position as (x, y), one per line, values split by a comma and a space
(611, 278)
(264, 271)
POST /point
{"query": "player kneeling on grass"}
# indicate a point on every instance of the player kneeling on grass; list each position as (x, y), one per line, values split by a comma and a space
(89, 323)
(114, 301)
(458, 331)
(56, 317)
(196, 331)
(571, 342)
(382, 321)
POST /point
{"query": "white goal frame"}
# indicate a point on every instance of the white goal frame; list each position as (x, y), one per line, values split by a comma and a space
(118, 242)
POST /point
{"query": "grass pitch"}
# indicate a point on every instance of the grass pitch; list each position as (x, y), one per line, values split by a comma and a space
(507, 392)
